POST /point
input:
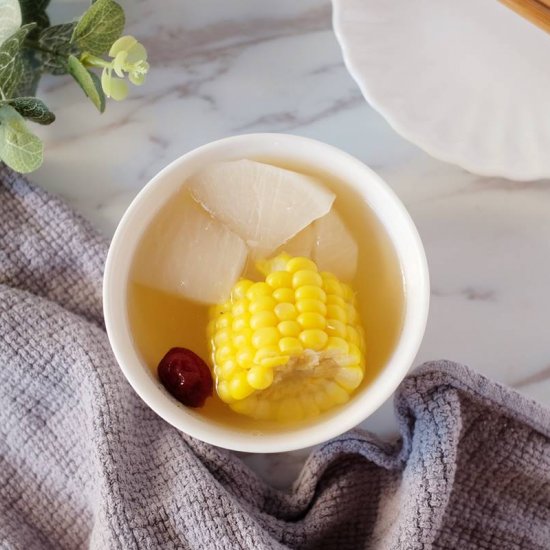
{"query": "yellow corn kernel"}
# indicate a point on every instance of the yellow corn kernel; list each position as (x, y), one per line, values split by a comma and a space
(262, 303)
(223, 354)
(284, 295)
(334, 342)
(216, 311)
(278, 263)
(300, 263)
(239, 388)
(285, 311)
(258, 289)
(311, 320)
(263, 319)
(272, 362)
(223, 391)
(228, 369)
(336, 328)
(279, 279)
(289, 328)
(240, 322)
(322, 400)
(260, 378)
(344, 360)
(334, 300)
(224, 321)
(310, 292)
(266, 336)
(242, 338)
(361, 332)
(266, 352)
(352, 314)
(333, 287)
(356, 354)
(335, 393)
(240, 307)
(338, 313)
(353, 335)
(240, 289)
(348, 292)
(314, 339)
(222, 337)
(290, 345)
(349, 377)
(245, 357)
(306, 277)
(309, 306)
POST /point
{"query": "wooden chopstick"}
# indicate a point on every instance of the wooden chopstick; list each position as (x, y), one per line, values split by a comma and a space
(536, 11)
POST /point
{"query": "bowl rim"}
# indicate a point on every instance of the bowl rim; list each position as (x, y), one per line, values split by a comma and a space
(415, 278)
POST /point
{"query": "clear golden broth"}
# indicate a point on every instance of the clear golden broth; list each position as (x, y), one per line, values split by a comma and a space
(160, 321)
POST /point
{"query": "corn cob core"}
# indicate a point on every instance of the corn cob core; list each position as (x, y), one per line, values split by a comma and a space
(289, 347)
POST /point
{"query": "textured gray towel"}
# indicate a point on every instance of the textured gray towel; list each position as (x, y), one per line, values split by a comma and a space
(84, 462)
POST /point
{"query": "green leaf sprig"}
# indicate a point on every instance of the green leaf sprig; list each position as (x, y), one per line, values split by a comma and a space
(30, 47)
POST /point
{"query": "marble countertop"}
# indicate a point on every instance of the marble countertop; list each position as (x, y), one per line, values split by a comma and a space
(223, 68)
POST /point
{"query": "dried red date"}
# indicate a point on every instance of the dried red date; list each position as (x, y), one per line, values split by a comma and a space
(186, 376)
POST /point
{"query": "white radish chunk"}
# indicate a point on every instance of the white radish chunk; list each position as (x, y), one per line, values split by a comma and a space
(335, 248)
(188, 253)
(301, 244)
(265, 205)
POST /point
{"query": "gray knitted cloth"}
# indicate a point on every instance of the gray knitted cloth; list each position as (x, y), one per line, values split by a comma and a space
(83, 462)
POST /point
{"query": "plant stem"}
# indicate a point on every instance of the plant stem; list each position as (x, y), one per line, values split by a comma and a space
(90, 60)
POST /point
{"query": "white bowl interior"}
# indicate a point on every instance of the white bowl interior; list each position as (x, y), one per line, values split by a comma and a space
(292, 150)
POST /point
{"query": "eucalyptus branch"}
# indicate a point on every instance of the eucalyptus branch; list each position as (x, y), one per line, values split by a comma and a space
(30, 46)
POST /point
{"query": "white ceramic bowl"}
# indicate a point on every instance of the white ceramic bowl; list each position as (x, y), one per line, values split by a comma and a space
(289, 150)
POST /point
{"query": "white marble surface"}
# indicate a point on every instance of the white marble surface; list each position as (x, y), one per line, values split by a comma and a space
(221, 68)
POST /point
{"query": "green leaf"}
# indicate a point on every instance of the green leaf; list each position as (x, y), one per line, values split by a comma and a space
(30, 76)
(99, 27)
(88, 81)
(33, 109)
(34, 11)
(55, 47)
(19, 148)
(10, 18)
(11, 65)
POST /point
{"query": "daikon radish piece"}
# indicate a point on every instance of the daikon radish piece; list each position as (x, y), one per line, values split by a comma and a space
(334, 249)
(189, 253)
(263, 204)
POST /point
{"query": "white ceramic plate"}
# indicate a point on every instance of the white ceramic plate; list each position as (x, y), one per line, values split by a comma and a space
(466, 80)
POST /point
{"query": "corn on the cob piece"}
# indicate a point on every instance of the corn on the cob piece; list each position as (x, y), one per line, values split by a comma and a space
(289, 347)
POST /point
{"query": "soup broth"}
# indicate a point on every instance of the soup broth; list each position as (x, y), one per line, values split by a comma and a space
(160, 321)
